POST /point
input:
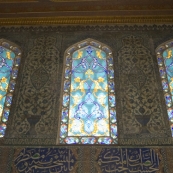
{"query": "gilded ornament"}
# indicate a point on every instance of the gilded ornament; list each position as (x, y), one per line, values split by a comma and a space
(100, 79)
(169, 54)
(80, 53)
(3, 79)
(1, 96)
(86, 20)
(77, 79)
(8, 54)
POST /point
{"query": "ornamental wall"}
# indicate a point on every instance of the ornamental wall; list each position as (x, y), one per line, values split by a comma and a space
(142, 118)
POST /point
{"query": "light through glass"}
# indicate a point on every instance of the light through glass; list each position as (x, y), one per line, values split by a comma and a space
(89, 104)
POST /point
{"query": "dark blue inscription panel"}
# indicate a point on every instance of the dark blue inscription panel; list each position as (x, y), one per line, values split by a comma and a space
(45, 160)
(131, 160)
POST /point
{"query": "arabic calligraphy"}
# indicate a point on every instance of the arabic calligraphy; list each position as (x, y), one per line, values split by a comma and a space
(45, 160)
(131, 160)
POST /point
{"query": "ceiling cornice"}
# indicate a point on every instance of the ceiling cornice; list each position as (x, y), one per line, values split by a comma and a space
(86, 20)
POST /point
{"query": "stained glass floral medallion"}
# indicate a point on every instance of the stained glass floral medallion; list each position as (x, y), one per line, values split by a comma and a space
(88, 101)
(9, 63)
(165, 63)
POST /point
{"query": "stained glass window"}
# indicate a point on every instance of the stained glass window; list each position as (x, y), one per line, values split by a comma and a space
(165, 62)
(9, 63)
(89, 104)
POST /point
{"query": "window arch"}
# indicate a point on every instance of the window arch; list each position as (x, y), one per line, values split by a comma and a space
(165, 62)
(10, 56)
(88, 114)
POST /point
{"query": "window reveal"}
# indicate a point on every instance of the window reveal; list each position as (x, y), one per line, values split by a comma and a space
(9, 63)
(89, 106)
(165, 62)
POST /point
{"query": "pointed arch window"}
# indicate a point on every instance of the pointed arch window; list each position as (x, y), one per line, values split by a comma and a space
(165, 62)
(88, 98)
(10, 56)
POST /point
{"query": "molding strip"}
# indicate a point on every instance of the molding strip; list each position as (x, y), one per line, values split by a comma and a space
(86, 20)
(17, 1)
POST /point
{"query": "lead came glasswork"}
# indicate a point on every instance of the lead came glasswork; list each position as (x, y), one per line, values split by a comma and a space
(168, 100)
(63, 132)
(72, 140)
(64, 115)
(162, 72)
(165, 61)
(89, 95)
(104, 140)
(165, 85)
(9, 63)
(88, 140)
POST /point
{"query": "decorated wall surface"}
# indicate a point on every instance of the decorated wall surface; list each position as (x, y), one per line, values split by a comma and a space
(84, 159)
(144, 135)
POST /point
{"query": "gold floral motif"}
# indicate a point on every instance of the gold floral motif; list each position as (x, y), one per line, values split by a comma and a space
(100, 79)
(1, 109)
(169, 54)
(8, 55)
(89, 72)
(77, 79)
(3, 79)
(98, 53)
(76, 99)
(80, 53)
(1, 96)
(101, 99)
(97, 86)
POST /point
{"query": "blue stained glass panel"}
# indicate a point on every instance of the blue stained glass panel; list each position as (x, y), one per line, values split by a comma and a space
(6, 64)
(165, 85)
(89, 104)
(63, 129)
(2, 130)
(160, 62)
(162, 72)
(113, 115)
(88, 115)
(104, 140)
(72, 140)
(64, 115)
(166, 73)
(65, 100)
(114, 130)
(89, 140)
(9, 62)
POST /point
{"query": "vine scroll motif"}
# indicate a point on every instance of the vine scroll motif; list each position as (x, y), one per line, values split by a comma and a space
(141, 113)
(34, 114)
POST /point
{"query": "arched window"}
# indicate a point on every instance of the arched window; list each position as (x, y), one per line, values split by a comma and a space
(9, 63)
(165, 61)
(88, 98)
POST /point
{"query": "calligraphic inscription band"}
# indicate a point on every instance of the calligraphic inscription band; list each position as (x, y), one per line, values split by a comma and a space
(129, 160)
(47, 160)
